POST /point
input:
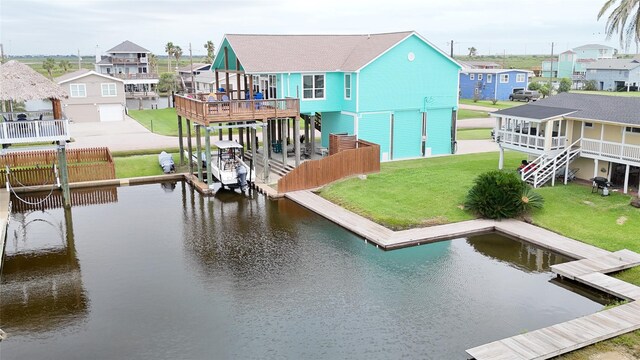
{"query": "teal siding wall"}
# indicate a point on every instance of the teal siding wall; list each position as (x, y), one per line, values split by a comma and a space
(407, 134)
(376, 128)
(350, 105)
(334, 92)
(218, 62)
(335, 122)
(439, 131)
(392, 82)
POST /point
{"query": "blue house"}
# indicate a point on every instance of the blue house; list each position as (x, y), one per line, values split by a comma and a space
(492, 84)
(394, 89)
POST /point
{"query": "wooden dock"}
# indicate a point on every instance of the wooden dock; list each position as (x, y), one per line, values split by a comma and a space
(5, 211)
(544, 343)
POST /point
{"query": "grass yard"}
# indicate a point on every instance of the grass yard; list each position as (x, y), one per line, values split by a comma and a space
(489, 103)
(159, 121)
(142, 165)
(471, 114)
(474, 134)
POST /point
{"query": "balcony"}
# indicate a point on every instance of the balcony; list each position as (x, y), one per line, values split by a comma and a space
(131, 61)
(206, 112)
(32, 131)
(610, 151)
(532, 143)
(135, 76)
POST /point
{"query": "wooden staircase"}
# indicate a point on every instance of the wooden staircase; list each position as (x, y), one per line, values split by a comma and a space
(546, 167)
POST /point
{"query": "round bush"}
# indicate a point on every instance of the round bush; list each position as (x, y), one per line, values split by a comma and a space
(501, 195)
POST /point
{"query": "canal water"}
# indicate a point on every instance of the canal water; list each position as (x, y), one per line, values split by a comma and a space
(159, 272)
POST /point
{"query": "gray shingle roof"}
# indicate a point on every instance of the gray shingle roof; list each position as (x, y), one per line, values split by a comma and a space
(71, 75)
(592, 46)
(614, 64)
(128, 47)
(617, 109)
(534, 111)
(279, 53)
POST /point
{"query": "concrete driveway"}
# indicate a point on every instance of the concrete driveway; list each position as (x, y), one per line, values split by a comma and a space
(118, 136)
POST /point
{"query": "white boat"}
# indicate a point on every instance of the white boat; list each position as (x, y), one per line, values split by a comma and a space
(227, 166)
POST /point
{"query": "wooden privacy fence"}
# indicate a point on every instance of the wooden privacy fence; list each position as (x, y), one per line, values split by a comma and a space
(50, 157)
(364, 159)
(79, 197)
(31, 168)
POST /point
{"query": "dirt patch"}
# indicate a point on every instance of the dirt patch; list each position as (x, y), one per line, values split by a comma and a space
(587, 202)
(438, 220)
(611, 355)
(621, 220)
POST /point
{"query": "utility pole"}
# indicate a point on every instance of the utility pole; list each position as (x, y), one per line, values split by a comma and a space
(193, 83)
(1, 53)
(79, 60)
(551, 71)
(451, 48)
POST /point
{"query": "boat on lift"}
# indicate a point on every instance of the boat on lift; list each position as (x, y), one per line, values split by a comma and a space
(227, 167)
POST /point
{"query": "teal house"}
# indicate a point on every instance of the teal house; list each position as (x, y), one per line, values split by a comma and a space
(394, 89)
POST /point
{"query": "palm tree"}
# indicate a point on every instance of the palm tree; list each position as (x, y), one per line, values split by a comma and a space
(153, 63)
(210, 50)
(64, 65)
(472, 51)
(169, 49)
(624, 20)
(177, 53)
(49, 64)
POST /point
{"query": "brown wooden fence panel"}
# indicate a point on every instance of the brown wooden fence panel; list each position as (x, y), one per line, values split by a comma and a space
(314, 173)
(49, 157)
(341, 142)
(89, 172)
(79, 197)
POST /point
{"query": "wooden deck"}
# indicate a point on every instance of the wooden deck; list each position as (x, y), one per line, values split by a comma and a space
(205, 112)
(539, 344)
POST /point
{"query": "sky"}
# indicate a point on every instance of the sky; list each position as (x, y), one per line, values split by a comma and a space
(64, 27)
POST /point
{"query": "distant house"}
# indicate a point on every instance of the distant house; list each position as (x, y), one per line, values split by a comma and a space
(593, 135)
(615, 74)
(185, 74)
(206, 82)
(473, 64)
(93, 97)
(492, 83)
(573, 63)
(129, 62)
(396, 89)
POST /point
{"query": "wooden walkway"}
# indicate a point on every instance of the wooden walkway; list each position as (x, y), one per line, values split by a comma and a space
(544, 343)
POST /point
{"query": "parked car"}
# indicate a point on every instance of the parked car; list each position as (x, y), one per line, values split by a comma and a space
(526, 95)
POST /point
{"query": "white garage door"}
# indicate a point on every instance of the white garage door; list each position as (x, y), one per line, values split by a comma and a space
(111, 112)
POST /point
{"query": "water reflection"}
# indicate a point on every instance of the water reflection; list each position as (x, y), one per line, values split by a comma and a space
(42, 286)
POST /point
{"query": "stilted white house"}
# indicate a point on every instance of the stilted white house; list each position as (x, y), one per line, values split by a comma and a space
(579, 135)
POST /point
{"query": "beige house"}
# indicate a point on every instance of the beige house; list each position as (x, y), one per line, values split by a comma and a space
(591, 135)
(93, 97)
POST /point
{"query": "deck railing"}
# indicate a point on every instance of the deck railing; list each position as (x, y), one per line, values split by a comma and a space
(135, 76)
(13, 132)
(230, 110)
(364, 159)
(610, 150)
(532, 142)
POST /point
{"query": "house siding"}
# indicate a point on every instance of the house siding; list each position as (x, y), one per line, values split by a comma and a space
(407, 134)
(493, 90)
(439, 131)
(376, 128)
(85, 109)
(335, 123)
(606, 78)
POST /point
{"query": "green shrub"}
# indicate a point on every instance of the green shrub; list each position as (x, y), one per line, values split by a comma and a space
(565, 85)
(535, 85)
(501, 195)
(590, 85)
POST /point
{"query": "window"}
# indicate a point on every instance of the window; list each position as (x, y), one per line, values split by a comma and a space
(313, 86)
(632, 130)
(504, 78)
(347, 86)
(472, 76)
(78, 90)
(109, 90)
(588, 125)
(519, 77)
(479, 76)
(489, 78)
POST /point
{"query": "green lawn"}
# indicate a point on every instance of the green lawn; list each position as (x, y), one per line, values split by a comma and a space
(471, 114)
(474, 134)
(431, 191)
(610, 93)
(141, 165)
(159, 121)
(489, 103)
